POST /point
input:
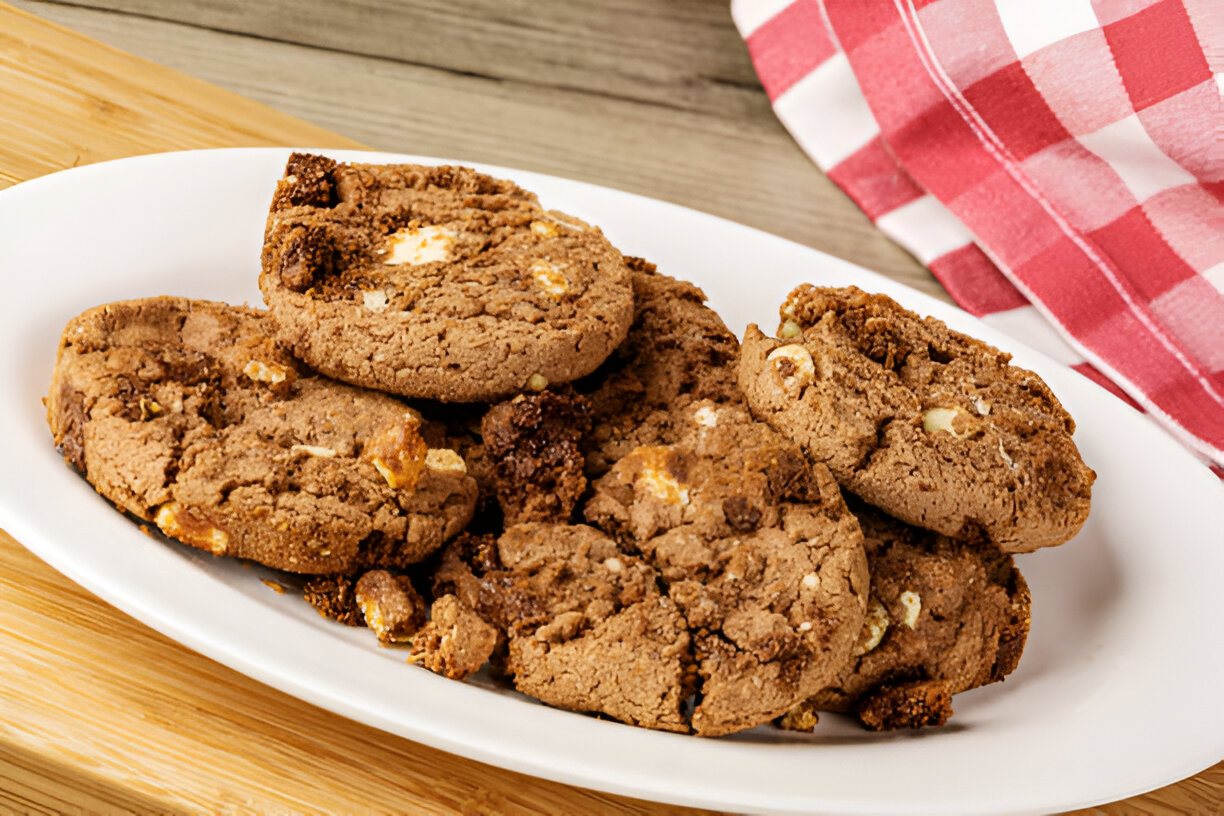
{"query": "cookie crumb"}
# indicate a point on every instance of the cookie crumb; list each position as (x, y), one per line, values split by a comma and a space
(456, 642)
(908, 705)
(390, 606)
(272, 585)
(332, 597)
(802, 717)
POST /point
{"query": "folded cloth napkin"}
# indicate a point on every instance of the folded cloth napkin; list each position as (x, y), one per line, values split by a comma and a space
(1057, 164)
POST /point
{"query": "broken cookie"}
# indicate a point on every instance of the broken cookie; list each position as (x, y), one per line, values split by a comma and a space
(757, 551)
(586, 628)
(390, 605)
(455, 642)
(949, 612)
(187, 414)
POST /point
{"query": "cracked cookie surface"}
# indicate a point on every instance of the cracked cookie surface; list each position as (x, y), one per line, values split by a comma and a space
(757, 551)
(437, 282)
(585, 625)
(187, 414)
(678, 350)
(932, 426)
(953, 613)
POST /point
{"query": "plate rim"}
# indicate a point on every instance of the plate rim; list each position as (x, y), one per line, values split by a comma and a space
(24, 533)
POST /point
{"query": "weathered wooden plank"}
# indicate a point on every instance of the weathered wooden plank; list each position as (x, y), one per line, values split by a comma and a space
(743, 167)
(66, 101)
(677, 53)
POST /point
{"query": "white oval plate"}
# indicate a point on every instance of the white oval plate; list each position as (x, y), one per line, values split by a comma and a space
(1118, 692)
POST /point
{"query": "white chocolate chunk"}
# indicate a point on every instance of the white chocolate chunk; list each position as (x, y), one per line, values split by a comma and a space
(940, 419)
(811, 580)
(705, 416)
(444, 459)
(546, 228)
(373, 615)
(661, 483)
(552, 216)
(790, 330)
(423, 245)
(874, 627)
(982, 406)
(374, 300)
(794, 367)
(613, 564)
(549, 278)
(913, 606)
(173, 522)
(314, 450)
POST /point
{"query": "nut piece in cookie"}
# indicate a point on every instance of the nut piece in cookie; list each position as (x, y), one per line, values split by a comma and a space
(532, 442)
(455, 643)
(940, 610)
(678, 351)
(437, 282)
(932, 426)
(187, 414)
(757, 551)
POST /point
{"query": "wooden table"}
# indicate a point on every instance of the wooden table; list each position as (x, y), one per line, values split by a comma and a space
(100, 714)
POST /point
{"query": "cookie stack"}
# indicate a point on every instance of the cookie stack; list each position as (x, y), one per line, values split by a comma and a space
(473, 426)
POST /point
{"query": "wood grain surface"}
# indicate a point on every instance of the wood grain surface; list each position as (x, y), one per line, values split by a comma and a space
(100, 714)
(510, 92)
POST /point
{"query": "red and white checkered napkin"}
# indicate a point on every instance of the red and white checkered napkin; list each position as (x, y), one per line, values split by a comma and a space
(1058, 164)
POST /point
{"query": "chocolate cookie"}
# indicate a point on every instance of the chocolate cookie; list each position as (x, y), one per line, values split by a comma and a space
(934, 427)
(757, 551)
(437, 282)
(943, 615)
(610, 643)
(187, 414)
(678, 351)
(585, 624)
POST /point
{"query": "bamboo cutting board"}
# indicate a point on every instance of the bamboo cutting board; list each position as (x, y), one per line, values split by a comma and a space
(99, 713)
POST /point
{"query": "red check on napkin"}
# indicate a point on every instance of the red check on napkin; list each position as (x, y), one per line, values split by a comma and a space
(1057, 164)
